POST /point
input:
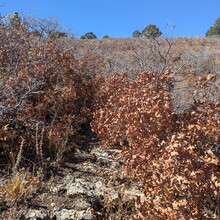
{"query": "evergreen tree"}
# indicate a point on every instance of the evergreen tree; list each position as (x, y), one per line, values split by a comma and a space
(151, 31)
(136, 34)
(16, 20)
(214, 30)
(89, 36)
(105, 36)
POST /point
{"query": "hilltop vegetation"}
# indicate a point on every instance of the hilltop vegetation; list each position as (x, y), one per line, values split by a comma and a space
(155, 99)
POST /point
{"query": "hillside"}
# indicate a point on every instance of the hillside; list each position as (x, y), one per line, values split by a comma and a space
(109, 129)
(188, 59)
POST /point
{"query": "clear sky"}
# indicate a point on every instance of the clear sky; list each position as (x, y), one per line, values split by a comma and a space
(119, 18)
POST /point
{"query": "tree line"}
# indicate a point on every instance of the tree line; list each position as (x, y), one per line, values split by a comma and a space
(152, 31)
(51, 28)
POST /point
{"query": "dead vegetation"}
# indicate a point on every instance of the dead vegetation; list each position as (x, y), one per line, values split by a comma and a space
(155, 99)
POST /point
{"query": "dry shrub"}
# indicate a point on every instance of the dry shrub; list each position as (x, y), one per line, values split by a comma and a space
(19, 188)
(46, 96)
(175, 154)
(127, 110)
(117, 209)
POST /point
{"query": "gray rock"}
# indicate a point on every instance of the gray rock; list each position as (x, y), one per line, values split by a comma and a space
(80, 186)
(65, 214)
(134, 192)
(106, 158)
(34, 214)
(81, 203)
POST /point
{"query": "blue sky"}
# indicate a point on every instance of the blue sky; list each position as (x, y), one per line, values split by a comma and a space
(119, 18)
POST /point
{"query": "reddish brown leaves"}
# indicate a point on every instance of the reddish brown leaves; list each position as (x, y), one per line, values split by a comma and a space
(43, 85)
(172, 153)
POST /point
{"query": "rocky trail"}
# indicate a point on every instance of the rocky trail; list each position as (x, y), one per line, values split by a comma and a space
(92, 186)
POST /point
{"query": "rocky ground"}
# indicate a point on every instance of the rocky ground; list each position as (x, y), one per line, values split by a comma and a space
(92, 186)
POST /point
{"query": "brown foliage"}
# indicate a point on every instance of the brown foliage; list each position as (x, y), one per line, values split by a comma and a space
(46, 95)
(125, 116)
(175, 154)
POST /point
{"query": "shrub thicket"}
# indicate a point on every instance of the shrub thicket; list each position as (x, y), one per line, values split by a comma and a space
(175, 154)
(46, 96)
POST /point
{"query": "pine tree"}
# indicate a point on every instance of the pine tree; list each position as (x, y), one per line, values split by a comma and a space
(151, 31)
(214, 30)
(89, 36)
(16, 20)
(136, 34)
